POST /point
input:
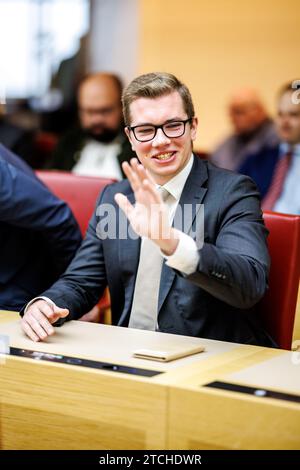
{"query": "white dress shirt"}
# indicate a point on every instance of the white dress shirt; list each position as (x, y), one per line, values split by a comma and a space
(98, 159)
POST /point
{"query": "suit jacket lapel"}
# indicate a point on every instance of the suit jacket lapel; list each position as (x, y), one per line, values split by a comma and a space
(193, 194)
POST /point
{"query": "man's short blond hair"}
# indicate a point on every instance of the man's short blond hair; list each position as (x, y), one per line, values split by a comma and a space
(154, 85)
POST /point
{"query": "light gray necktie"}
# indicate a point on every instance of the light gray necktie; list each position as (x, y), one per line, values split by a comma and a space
(145, 298)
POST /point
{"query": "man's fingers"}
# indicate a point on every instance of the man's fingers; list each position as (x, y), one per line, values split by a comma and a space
(149, 176)
(58, 313)
(147, 183)
(52, 312)
(153, 192)
(43, 321)
(137, 176)
(29, 331)
(35, 326)
(61, 312)
(124, 204)
(131, 173)
(41, 306)
(37, 321)
(143, 174)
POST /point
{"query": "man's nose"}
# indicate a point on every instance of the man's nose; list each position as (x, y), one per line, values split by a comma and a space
(160, 139)
(97, 117)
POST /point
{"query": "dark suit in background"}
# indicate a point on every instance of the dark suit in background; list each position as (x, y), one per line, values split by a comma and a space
(260, 167)
(235, 151)
(214, 302)
(38, 233)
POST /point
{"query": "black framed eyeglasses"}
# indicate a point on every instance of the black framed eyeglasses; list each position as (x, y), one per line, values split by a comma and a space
(147, 132)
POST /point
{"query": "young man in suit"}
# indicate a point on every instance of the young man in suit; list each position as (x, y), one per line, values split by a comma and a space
(191, 279)
(38, 233)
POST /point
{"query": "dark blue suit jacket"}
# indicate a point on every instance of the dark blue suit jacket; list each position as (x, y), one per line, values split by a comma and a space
(214, 302)
(38, 233)
(260, 167)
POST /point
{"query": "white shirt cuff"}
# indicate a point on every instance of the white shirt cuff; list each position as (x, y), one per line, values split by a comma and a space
(49, 301)
(186, 256)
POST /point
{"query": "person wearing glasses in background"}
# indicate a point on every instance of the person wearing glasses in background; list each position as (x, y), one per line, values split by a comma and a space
(98, 145)
(176, 275)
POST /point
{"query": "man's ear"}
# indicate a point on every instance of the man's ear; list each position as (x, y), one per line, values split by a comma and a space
(194, 126)
(128, 133)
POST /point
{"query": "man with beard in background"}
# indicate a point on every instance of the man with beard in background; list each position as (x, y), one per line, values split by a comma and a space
(98, 146)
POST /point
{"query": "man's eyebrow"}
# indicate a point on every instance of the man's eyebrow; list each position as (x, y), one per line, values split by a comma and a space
(174, 119)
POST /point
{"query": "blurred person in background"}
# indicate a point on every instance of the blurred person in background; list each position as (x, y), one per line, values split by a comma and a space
(98, 146)
(277, 169)
(253, 131)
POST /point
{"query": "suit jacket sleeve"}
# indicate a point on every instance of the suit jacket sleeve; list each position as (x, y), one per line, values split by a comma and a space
(234, 261)
(83, 283)
(26, 203)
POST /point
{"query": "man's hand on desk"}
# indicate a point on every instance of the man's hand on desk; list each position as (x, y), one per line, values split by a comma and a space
(38, 319)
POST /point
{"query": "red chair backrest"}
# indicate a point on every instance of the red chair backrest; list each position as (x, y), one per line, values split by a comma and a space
(79, 192)
(279, 303)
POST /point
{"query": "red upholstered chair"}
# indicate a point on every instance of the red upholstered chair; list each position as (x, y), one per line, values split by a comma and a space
(80, 193)
(279, 304)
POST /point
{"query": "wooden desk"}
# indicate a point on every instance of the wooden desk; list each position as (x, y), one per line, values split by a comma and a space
(207, 418)
(45, 405)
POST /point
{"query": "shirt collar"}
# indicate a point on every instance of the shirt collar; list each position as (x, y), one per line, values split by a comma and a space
(284, 148)
(175, 185)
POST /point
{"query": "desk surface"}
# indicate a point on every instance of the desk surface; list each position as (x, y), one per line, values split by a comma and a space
(114, 344)
(170, 410)
(248, 364)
